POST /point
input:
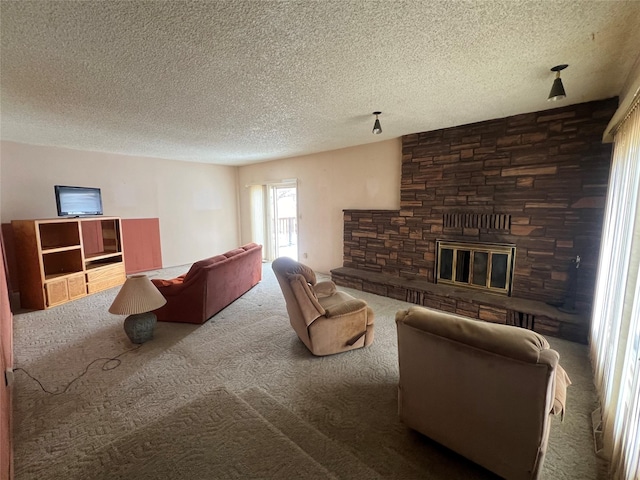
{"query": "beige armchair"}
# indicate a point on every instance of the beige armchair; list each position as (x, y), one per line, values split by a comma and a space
(326, 320)
(483, 390)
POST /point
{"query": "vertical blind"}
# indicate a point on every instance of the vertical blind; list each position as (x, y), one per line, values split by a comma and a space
(615, 326)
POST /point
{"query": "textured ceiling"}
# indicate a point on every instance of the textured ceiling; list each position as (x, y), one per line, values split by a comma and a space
(238, 82)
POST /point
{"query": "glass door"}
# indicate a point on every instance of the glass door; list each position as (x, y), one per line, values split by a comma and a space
(284, 220)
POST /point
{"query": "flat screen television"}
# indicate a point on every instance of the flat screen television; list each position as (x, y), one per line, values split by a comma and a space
(78, 201)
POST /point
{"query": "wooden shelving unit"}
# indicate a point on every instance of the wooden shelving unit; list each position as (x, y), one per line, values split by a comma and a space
(62, 259)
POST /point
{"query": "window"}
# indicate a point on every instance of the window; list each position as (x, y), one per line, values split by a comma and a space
(615, 326)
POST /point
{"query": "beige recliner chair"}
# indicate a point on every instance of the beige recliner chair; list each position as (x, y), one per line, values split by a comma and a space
(483, 390)
(327, 321)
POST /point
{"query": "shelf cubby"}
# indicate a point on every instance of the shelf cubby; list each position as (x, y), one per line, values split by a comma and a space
(97, 261)
(62, 262)
(57, 235)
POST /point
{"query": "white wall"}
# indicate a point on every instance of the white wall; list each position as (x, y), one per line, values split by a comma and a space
(363, 177)
(630, 91)
(196, 203)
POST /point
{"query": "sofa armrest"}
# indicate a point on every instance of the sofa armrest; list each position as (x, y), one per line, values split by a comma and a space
(324, 289)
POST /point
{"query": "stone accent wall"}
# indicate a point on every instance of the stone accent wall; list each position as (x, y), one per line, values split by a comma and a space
(536, 180)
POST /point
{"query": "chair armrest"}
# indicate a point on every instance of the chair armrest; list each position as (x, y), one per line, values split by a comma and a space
(324, 289)
(339, 333)
(307, 301)
(346, 308)
(562, 381)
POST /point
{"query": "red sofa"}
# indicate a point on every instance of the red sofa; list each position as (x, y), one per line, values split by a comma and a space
(210, 285)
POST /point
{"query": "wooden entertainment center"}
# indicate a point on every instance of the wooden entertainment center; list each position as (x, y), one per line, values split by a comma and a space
(62, 259)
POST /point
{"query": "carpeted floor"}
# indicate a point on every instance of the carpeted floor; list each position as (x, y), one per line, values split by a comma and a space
(237, 397)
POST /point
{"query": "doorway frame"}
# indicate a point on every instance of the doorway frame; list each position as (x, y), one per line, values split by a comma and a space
(271, 230)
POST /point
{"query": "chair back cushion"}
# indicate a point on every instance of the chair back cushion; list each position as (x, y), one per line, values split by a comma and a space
(506, 340)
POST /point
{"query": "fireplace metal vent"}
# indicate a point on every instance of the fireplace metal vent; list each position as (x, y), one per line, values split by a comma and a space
(482, 266)
(489, 221)
(521, 319)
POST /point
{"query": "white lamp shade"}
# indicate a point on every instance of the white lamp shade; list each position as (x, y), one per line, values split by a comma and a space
(137, 295)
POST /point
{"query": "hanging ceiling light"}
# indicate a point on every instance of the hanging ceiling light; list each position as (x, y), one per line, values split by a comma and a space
(557, 90)
(376, 125)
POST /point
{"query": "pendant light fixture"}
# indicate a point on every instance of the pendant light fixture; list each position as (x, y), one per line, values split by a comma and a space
(377, 129)
(557, 90)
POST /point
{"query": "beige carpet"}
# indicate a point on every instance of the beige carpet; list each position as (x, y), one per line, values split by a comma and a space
(215, 436)
(238, 397)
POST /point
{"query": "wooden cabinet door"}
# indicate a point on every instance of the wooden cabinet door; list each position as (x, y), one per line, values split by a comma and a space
(141, 241)
(57, 291)
(76, 286)
(105, 277)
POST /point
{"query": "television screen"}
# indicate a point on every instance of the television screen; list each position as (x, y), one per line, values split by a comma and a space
(78, 201)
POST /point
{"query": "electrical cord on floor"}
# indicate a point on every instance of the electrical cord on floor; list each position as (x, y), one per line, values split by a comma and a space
(110, 363)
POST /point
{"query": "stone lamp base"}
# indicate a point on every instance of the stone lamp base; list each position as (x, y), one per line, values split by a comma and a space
(139, 327)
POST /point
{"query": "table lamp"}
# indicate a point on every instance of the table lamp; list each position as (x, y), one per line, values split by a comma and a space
(137, 298)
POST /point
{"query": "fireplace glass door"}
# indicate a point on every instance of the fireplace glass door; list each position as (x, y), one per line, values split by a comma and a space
(485, 266)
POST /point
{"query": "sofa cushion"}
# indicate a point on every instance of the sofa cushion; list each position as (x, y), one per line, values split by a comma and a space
(234, 252)
(165, 283)
(200, 264)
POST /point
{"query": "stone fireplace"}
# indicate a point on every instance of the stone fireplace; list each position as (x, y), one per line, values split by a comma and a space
(534, 184)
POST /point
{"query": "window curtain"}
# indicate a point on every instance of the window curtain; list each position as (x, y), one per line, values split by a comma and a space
(258, 215)
(615, 326)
